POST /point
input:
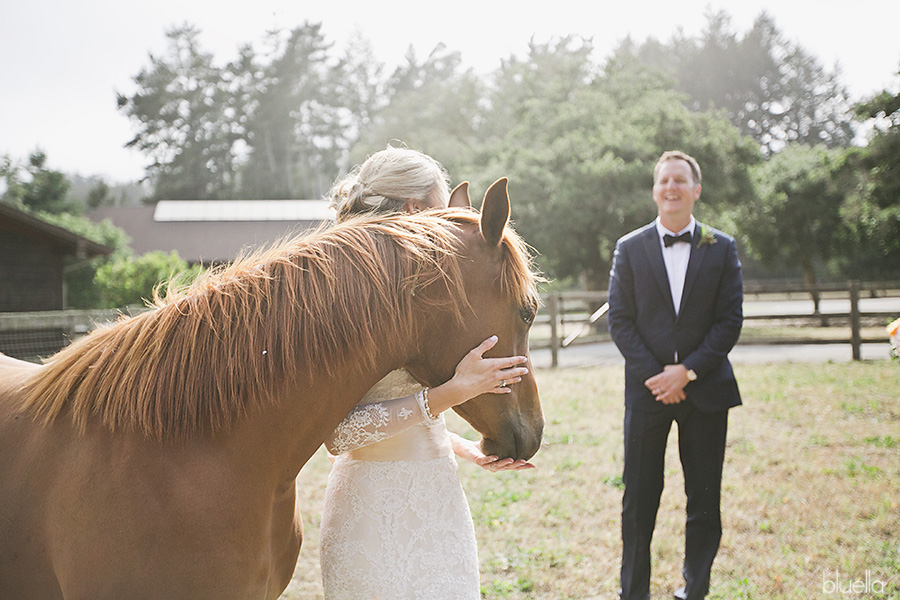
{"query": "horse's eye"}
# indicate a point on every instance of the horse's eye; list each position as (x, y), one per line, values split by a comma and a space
(527, 313)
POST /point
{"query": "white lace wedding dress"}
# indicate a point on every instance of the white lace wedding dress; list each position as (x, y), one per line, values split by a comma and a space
(396, 523)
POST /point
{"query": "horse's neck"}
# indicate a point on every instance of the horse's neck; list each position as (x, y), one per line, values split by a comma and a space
(306, 414)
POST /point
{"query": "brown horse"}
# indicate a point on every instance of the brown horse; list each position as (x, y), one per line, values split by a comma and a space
(157, 457)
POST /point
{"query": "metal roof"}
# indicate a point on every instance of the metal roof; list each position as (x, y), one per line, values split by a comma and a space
(209, 240)
(242, 210)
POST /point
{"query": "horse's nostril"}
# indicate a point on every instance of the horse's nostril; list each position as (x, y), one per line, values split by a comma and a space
(528, 448)
(515, 446)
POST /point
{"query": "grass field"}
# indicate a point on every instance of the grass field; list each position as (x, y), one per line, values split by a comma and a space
(811, 493)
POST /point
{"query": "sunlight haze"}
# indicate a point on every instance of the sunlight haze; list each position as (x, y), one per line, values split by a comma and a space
(63, 62)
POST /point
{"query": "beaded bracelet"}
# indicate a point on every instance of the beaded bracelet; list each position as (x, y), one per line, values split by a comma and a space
(426, 410)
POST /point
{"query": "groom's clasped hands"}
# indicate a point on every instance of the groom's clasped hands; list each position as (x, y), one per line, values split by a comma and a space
(668, 386)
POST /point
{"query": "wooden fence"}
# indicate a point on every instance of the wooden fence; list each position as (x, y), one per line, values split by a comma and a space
(837, 316)
(821, 314)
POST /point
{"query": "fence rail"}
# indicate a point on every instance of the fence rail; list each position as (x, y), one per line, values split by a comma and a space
(566, 315)
(834, 315)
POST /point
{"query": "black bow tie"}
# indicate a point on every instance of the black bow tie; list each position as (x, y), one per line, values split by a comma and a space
(674, 239)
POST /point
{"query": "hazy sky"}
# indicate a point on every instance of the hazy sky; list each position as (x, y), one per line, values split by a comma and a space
(62, 61)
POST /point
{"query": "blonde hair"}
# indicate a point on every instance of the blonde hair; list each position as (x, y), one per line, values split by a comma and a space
(678, 155)
(387, 180)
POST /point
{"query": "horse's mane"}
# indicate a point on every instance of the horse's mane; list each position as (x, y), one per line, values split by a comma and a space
(222, 347)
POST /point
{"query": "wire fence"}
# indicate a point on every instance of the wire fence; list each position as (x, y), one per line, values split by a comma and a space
(34, 336)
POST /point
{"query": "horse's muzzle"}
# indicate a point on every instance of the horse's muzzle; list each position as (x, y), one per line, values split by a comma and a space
(518, 443)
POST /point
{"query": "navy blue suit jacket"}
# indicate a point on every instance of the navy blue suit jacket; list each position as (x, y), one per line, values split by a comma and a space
(643, 324)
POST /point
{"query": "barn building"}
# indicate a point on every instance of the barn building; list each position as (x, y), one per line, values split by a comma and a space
(35, 254)
(213, 231)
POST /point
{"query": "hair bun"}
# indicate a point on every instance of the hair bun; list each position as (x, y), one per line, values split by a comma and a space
(386, 180)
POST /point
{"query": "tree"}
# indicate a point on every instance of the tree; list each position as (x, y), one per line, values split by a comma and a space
(128, 280)
(99, 195)
(188, 123)
(294, 126)
(36, 187)
(770, 87)
(363, 92)
(433, 106)
(795, 215)
(872, 212)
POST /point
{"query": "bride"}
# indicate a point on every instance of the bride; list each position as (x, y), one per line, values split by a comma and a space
(396, 523)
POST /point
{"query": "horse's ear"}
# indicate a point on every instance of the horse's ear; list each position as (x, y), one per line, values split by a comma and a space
(459, 197)
(495, 212)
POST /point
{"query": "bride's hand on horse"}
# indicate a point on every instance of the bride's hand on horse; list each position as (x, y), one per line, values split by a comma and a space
(476, 375)
(471, 451)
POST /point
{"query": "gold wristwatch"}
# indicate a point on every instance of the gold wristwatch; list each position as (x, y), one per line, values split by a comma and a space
(691, 375)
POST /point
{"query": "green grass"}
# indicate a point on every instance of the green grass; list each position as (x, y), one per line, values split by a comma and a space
(810, 488)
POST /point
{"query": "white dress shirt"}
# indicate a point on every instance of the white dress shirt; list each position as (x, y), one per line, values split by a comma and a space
(676, 258)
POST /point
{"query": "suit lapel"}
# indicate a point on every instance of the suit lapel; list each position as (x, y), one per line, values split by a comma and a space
(655, 257)
(694, 263)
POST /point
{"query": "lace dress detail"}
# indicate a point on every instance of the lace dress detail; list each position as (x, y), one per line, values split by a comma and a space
(370, 423)
(396, 524)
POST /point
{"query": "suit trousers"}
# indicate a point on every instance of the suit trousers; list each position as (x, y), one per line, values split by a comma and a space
(701, 445)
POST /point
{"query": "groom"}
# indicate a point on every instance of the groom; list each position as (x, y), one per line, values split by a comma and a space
(675, 296)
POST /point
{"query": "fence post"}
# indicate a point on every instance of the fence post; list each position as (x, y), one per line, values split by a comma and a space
(855, 336)
(553, 308)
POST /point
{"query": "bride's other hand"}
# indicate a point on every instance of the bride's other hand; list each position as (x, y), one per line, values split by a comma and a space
(471, 451)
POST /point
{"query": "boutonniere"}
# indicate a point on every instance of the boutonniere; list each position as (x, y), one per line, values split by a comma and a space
(707, 237)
